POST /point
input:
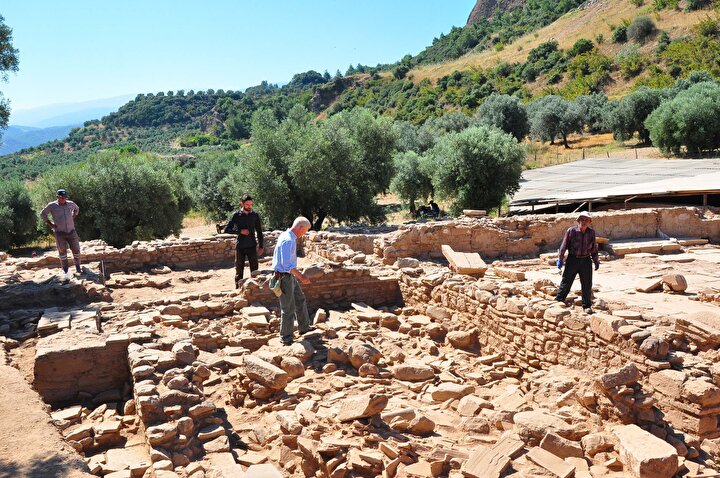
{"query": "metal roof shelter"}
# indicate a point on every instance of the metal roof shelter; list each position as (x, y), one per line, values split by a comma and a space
(615, 180)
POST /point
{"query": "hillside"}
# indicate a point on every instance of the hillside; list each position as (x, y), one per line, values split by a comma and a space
(16, 138)
(524, 48)
(592, 19)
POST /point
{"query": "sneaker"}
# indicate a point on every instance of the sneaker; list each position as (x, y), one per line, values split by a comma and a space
(588, 310)
(286, 342)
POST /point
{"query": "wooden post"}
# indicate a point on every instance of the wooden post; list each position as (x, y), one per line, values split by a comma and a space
(608, 154)
(635, 152)
(583, 153)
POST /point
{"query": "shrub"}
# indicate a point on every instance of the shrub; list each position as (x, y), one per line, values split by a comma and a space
(122, 198)
(619, 35)
(207, 184)
(707, 27)
(581, 46)
(505, 112)
(640, 29)
(475, 168)
(630, 61)
(18, 219)
(691, 120)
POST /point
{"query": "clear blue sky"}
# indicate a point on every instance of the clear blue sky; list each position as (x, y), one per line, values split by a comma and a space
(83, 50)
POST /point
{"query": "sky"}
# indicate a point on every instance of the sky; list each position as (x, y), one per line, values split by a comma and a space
(79, 50)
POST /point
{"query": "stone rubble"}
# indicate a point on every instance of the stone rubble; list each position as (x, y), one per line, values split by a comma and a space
(414, 370)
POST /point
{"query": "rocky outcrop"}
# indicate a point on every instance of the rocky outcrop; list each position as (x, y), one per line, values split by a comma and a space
(486, 8)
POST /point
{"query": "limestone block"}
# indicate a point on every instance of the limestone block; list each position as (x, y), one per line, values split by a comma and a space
(644, 454)
(448, 390)
(360, 353)
(560, 446)
(627, 375)
(676, 282)
(533, 425)
(265, 373)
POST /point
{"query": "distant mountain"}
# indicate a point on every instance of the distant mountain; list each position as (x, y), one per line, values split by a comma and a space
(16, 138)
(67, 113)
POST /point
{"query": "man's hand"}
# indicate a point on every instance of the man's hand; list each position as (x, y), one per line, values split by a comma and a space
(245, 232)
(304, 280)
(597, 265)
(261, 251)
(559, 263)
(51, 225)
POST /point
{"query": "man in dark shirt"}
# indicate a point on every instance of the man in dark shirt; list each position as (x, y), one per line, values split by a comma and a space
(246, 223)
(580, 243)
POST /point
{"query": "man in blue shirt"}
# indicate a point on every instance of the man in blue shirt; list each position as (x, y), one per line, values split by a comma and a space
(293, 305)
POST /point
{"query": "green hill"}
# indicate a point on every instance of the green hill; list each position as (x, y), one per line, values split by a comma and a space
(524, 48)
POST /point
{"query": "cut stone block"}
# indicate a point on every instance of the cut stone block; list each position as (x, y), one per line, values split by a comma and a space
(485, 462)
(469, 263)
(550, 462)
(644, 454)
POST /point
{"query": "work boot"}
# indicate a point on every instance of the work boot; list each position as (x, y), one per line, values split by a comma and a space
(588, 310)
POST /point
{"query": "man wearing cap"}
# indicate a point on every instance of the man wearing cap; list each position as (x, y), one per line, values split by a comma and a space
(246, 224)
(63, 214)
(579, 241)
(293, 305)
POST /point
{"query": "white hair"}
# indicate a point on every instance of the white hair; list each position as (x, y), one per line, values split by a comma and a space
(301, 222)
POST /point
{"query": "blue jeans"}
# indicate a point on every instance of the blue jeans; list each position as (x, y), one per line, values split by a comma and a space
(293, 306)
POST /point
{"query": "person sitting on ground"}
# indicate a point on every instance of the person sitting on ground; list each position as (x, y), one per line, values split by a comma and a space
(435, 209)
(580, 243)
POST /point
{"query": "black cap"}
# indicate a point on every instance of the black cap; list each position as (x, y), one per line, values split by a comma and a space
(61, 193)
(245, 197)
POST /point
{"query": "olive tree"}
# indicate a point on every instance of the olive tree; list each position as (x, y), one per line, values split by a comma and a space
(122, 197)
(18, 219)
(475, 168)
(629, 114)
(410, 183)
(506, 113)
(690, 121)
(553, 117)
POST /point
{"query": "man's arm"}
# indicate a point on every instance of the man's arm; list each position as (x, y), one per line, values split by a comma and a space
(75, 210)
(299, 276)
(594, 250)
(260, 238)
(44, 216)
(563, 246)
(229, 227)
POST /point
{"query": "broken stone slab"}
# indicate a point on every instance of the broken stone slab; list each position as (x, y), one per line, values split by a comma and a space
(448, 390)
(561, 447)
(550, 462)
(409, 420)
(265, 470)
(702, 328)
(485, 462)
(464, 262)
(644, 454)
(648, 285)
(361, 406)
(533, 425)
(606, 326)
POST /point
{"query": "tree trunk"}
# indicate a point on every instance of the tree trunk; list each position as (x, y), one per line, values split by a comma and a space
(567, 146)
(317, 225)
(412, 206)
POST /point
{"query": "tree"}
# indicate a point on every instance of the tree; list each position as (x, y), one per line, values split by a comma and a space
(691, 120)
(506, 113)
(581, 46)
(551, 117)
(208, 185)
(122, 197)
(475, 168)
(331, 169)
(18, 220)
(8, 62)
(410, 182)
(630, 113)
(592, 109)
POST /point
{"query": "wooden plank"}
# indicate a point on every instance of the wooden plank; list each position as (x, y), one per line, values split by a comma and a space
(550, 462)
(485, 462)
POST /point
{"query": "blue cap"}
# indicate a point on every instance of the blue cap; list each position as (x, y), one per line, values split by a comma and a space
(61, 193)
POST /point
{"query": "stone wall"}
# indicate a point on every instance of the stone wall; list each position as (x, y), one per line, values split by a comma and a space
(72, 367)
(334, 286)
(176, 253)
(531, 235)
(530, 330)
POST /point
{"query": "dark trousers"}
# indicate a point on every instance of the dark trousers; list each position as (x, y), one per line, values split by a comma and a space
(63, 240)
(573, 267)
(240, 254)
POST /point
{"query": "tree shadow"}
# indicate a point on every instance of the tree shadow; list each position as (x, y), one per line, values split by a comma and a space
(51, 467)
